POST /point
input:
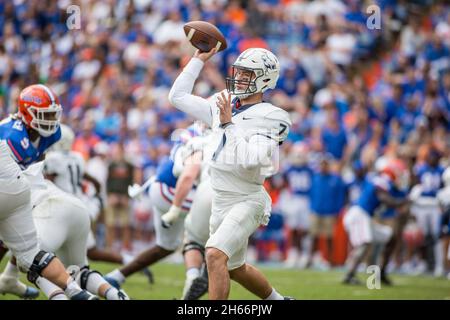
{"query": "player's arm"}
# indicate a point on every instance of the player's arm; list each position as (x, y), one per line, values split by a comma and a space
(94, 181)
(17, 146)
(180, 95)
(187, 178)
(389, 200)
(185, 183)
(50, 177)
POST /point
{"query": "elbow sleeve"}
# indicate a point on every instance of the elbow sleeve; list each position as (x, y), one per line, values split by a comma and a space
(174, 96)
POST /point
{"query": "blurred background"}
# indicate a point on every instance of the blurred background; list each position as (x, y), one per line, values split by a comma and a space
(356, 97)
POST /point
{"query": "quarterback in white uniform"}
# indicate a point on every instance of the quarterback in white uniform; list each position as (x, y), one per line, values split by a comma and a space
(246, 136)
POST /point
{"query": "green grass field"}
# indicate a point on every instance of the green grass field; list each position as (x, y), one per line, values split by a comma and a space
(169, 281)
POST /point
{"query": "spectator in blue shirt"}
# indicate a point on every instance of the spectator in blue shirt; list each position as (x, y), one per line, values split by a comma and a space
(328, 195)
(334, 137)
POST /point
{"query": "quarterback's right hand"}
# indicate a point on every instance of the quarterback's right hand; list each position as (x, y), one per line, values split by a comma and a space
(204, 56)
(170, 216)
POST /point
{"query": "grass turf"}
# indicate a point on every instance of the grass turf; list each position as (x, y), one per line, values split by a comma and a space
(301, 284)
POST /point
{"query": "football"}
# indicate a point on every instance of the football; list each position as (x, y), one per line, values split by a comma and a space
(204, 36)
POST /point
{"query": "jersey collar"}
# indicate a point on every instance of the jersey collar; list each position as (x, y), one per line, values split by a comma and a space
(238, 108)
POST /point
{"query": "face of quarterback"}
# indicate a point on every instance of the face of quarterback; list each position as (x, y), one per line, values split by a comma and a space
(243, 79)
(244, 75)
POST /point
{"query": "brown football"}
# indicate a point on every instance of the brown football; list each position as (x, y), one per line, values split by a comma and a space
(204, 36)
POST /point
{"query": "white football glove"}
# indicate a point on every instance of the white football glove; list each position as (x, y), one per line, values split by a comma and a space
(168, 218)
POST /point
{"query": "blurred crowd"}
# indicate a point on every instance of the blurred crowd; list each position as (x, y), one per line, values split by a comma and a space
(355, 94)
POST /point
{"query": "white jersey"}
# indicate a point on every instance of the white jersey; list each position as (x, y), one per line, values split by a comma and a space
(246, 151)
(243, 153)
(68, 168)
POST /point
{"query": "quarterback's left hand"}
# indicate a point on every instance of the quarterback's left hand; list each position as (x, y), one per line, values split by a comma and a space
(224, 105)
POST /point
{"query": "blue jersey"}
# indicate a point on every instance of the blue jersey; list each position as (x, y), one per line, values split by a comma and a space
(16, 136)
(164, 172)
(430, 179)
(368, 199)
(354, 189)
(299, 179)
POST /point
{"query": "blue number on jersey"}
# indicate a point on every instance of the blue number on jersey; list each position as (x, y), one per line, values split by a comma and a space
(430, 179)
(299, 179)
(16, 136)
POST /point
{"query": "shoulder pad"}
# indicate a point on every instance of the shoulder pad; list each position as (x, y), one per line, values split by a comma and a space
(279, 115)
(271, 121)
(17, 124)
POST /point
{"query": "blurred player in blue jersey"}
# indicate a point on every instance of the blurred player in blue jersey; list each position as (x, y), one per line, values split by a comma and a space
(162, 194)
(427, 212)
(24, 138)
(444, 201)
(296, 207)
(396, 219)
(359, 220)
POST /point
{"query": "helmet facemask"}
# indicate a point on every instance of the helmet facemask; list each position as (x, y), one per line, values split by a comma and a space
(242, 82)
(45, 120)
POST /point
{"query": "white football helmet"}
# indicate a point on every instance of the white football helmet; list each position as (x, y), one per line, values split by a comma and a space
(265, 68)
(66, 141)
(446, 177)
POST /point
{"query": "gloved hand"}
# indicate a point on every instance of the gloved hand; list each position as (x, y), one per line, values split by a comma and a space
(168, 218)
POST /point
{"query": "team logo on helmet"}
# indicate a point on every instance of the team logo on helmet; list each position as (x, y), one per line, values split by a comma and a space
(268, 63)
(32, 99)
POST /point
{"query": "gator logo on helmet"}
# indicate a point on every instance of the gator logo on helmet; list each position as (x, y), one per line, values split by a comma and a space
(32, 99)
